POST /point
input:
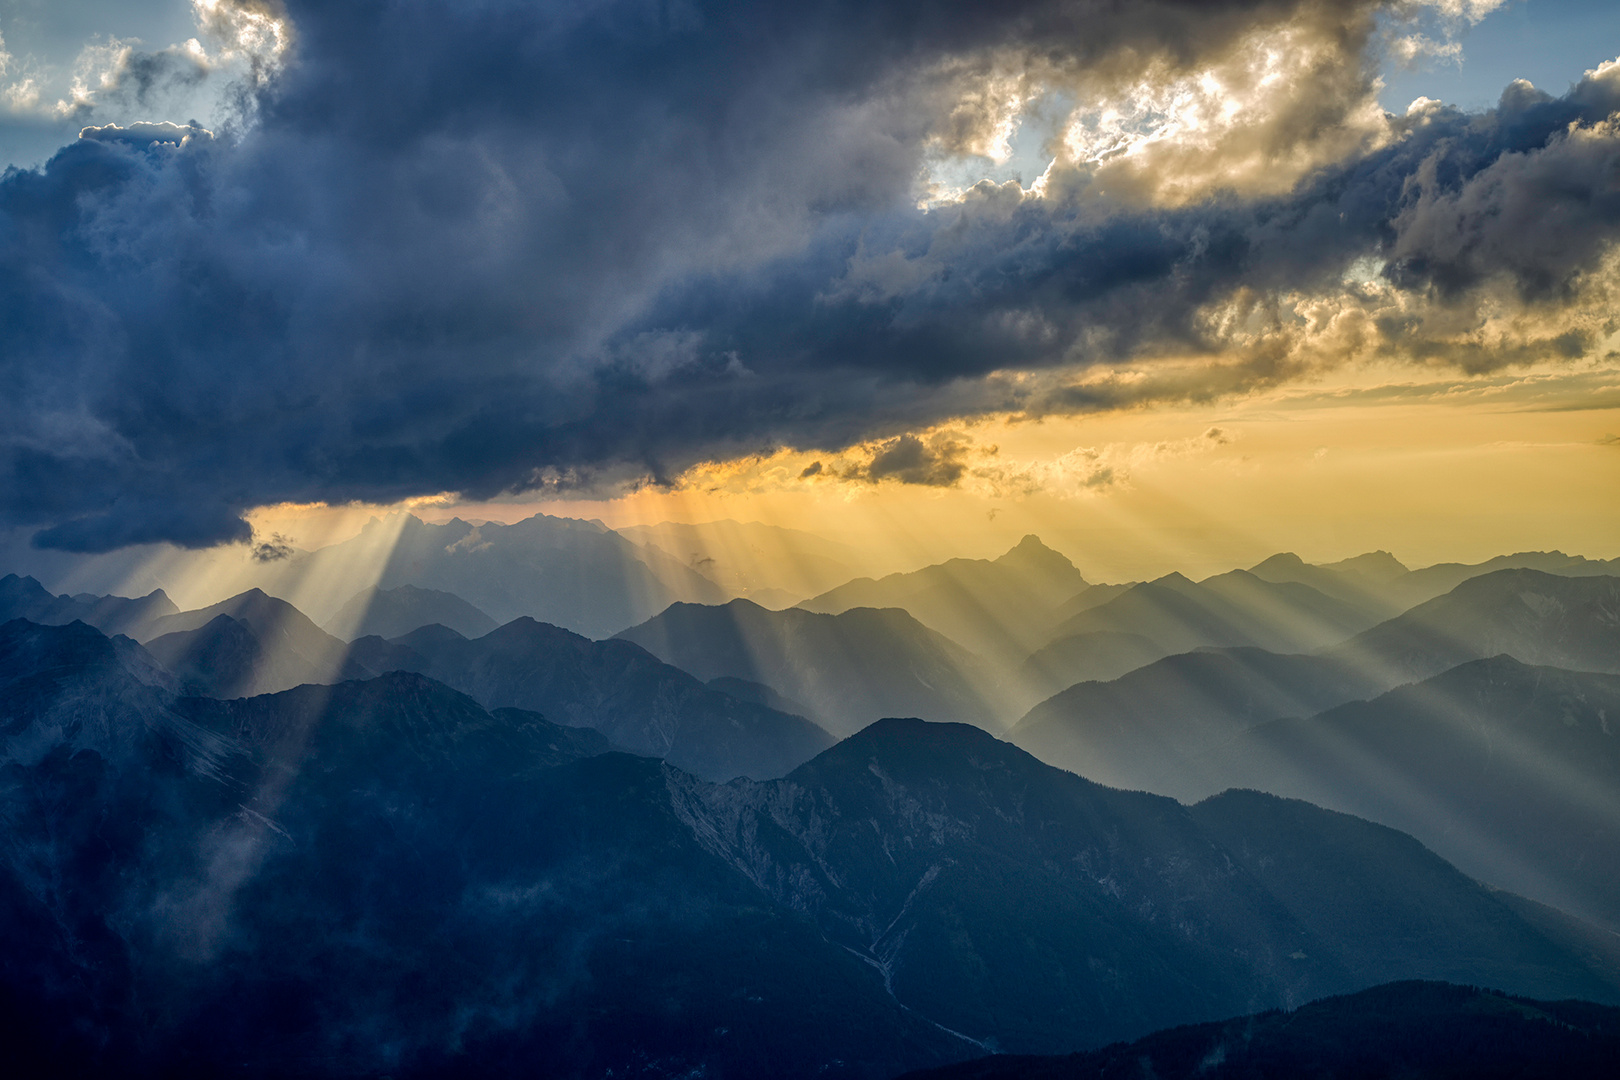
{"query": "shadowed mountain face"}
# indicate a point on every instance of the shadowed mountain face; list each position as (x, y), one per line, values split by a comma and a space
(1377, 567)
(1539, 618)
(25, 598)
(249, 644)
(1153, 727)
(1230, 609)
(383, 877)
(1175, 615)
(1378, 580)
(1425, 584)
(391, 613)
(1129, 908)
(1407, 1029)
(575, 574)
(1147, 728)
(849, 669)
(72, 687)
(1001, 610)
(1510, 771)
(1363, 582)
(1097, 655)
(616, 687)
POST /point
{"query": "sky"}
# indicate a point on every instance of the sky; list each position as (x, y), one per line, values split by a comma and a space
(1174, 285)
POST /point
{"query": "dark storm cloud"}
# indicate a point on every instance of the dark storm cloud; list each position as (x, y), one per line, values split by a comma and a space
(910, 460)
(490, 246)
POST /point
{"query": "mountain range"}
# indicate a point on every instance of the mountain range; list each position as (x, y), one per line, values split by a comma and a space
(580, 575)
(249, 644)
(25, 598)
(848, 669)
(1001, 609)
(388, 613)
(1141, 728)
(237, 843)
(1510, 771)
(616, 687)
(1483, 760)
(768, 564)
(382, 875)
(1172, 615)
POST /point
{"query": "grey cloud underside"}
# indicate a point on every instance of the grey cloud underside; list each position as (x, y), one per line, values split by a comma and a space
(496, 246)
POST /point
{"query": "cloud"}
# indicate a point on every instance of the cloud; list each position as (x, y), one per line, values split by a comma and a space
(908, 459)
(497, 247)
(274, 549)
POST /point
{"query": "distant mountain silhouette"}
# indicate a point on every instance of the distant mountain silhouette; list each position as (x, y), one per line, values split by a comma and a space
(1000, 609)
(1145, 729)
(383, 876)
(639, 702)
(1173, 615)
(758, 693)
(1379, 579)
(1410, 1029)
(849, 669)
(25, 598)
(1090, 597)
(1510, 771)
(772, 566)
(1096, 655)
(1431, 581)
(1362, 582)
(1540, 618)
(249, 644)
(576, 574)
(1376, 566)
(389, 613)
(1139, 728)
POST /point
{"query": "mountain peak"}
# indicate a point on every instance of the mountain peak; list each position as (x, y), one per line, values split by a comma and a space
(1283, 560)
(1379, 565)
(1030, 554)
(909, 738)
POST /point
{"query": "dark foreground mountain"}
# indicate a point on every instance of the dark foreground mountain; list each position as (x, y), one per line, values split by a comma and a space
(383, 878)
(249, 644)
(1013, 902)
(390, 613)
(1405, 1029)
(1001, 609)
(848, 669)
(25, 598)
(1512, 772)
(639, 702)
